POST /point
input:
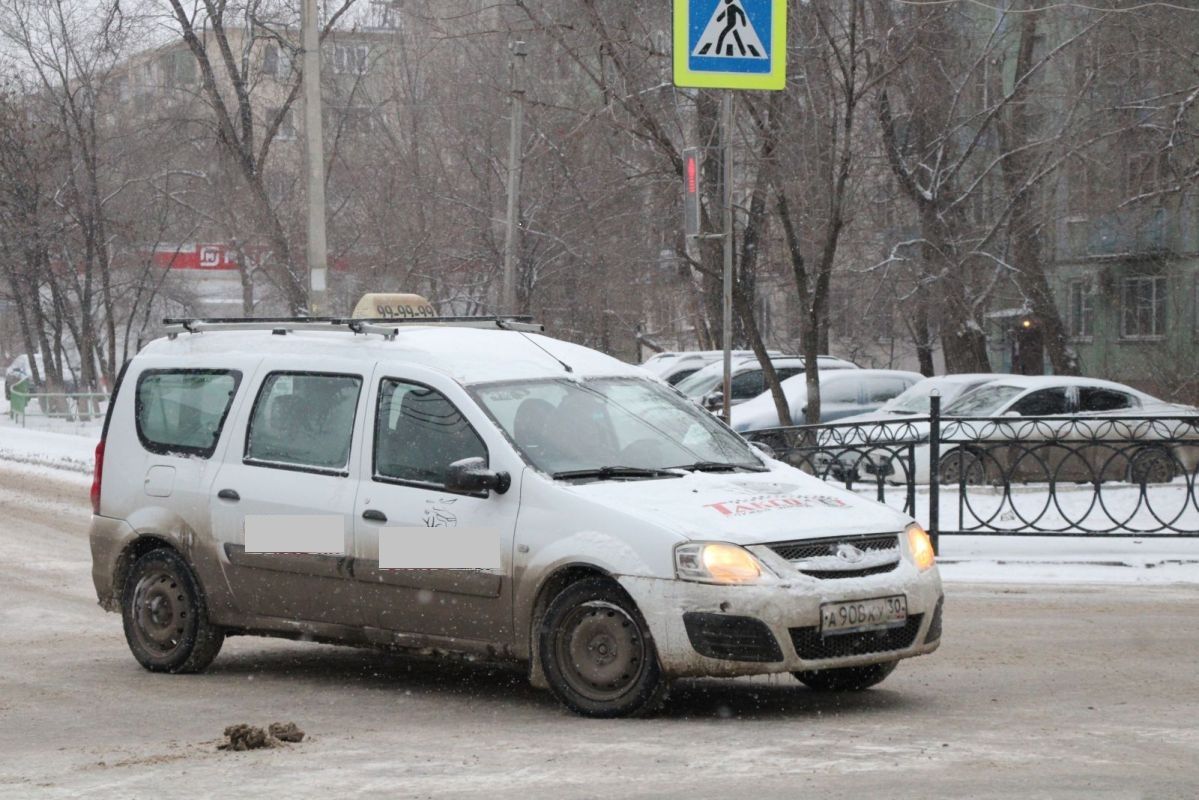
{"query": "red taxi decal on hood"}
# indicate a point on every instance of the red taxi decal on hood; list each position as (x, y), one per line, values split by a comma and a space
(766, 502)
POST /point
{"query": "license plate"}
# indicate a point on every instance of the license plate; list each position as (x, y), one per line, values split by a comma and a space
(863, 615)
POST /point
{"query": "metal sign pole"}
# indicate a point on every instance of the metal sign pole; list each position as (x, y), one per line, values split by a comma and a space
(318, 302)
(726, 133)
(515, 158)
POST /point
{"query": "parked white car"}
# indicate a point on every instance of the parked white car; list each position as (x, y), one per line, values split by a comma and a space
(844, 448)
(706, 386)
(843, 393)
(915, 401)
(486, 491)
(1014, 399)
(674, 367)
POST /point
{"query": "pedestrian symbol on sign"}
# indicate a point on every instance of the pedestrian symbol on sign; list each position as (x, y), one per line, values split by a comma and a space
(730, 44)
(729, 34)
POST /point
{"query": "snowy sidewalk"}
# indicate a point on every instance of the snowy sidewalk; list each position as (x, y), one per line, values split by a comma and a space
(39, 450)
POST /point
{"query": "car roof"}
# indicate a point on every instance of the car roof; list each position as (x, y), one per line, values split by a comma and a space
(1027, 382)
(827, 376)
(965, 377)
(468, 355)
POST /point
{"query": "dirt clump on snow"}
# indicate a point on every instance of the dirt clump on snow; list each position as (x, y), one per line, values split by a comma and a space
(286, 732)
(251, 737)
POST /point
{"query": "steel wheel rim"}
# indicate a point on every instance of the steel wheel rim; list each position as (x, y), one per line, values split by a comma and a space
(953, 466)
(601, 650)
(160, 609)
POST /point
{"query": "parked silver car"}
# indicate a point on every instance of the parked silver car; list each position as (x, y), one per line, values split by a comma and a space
(842, 393)
(706, 386)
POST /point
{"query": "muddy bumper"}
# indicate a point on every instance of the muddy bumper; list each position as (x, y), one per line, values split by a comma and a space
(703, 629)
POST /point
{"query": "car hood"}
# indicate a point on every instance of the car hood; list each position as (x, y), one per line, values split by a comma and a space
(746, 507)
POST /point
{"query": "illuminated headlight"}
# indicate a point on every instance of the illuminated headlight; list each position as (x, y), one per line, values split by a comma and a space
(920, 546)
(717, 562)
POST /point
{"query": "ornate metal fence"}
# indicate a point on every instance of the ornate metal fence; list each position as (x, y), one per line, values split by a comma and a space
(1127, 476)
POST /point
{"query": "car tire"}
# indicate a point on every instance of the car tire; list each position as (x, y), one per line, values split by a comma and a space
(597, 653)
(1152, 465)
(957, 463)
(846, 679)
(166, 616)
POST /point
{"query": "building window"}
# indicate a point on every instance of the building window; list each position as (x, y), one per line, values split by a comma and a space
(276, 62)
(1080, 309)
(350, 58)
(1143, 308)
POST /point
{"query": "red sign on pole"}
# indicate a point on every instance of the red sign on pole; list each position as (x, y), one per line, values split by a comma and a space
(691, 191)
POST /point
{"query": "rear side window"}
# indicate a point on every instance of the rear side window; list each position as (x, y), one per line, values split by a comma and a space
(183, 411)
(304, 421)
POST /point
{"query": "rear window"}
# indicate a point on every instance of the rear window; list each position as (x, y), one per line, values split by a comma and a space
(182, 411)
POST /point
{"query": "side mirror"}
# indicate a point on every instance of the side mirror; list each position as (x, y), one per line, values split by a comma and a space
(1012, 414)
(473, 475)
(713, 400)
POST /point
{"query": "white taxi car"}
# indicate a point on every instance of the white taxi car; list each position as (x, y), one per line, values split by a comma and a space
(476, 488)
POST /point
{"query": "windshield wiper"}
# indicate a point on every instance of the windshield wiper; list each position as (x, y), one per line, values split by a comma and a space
(720, 466)
(607, 473)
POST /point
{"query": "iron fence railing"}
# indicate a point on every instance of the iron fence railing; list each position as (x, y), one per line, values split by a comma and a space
(1086, 475)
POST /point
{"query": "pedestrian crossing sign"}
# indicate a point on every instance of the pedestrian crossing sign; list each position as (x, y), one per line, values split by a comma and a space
(730, 44)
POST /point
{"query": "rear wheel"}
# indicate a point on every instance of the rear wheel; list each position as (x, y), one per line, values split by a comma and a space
(165, 616)
(846, 679)
(1152, 465)
(597, 654)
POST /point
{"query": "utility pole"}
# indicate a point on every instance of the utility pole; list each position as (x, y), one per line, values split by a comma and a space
(726, 203)
(318, 301)
(516, 73)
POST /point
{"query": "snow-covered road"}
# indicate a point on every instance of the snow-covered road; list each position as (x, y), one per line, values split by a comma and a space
(1038, 691)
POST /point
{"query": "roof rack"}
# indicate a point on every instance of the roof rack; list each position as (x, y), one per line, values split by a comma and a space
(388, 328)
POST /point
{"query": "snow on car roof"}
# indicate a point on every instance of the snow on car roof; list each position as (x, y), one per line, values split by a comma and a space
(1050, 381)
(469, 355)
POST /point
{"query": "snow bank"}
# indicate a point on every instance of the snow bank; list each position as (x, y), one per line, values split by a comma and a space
(42, 449)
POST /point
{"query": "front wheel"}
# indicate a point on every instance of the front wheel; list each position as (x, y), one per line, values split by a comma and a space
(165, 616)
(846, 679)
(597, 653)
(961, 466)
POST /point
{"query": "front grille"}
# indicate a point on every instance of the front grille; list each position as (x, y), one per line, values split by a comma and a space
(816, 548)
(817, 558)
(850, 573)
(934, 627)
(809, 644)
(731, 638)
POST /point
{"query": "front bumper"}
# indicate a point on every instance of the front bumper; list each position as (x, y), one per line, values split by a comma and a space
(790, 612)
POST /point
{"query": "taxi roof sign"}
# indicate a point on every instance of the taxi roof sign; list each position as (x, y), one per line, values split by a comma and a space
(730, 44)
(383, 305)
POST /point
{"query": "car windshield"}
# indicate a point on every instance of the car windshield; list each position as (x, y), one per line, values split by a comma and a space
(702, 382)
(983, 401)
(915, 400)
(568, 426)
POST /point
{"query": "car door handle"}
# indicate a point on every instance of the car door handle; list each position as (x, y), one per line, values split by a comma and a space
(374, 516)
(228, 494)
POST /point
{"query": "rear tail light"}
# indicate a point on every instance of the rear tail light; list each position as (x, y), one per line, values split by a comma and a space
(97, 476)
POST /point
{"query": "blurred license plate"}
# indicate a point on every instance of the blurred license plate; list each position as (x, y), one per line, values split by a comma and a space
(863, 615)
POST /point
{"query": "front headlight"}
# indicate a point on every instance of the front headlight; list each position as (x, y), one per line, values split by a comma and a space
(716, 562)
(921, 547)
